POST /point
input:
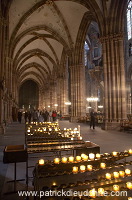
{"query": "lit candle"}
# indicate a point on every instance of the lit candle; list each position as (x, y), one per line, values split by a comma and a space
(130, 151)
(116, 174)
(122, 173)
(64, 160)
(82, 168)
(116, 187)
(71, 159)
(75, 170)
(127, 171)
(129, 198)
(85, 158)
(89, 167)
(91, 156)
(92, 193)
(129, 185)
(28, 130)
(78, 158)
(41, 162)
(102, 165)
(114, 153)
(54, 183)
(108, 176)
(56, 160)
(98, 156)
(101, 191)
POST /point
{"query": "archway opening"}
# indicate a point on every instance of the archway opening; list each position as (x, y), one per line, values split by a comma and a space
(29, 95)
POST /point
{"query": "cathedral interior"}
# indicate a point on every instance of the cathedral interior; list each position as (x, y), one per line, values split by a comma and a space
(72, 58)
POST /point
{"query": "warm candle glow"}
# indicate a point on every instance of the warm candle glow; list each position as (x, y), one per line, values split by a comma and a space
(130, 151)
(116, 174)
(101, 191)
(127, 171)
(84, 157)
(64, 160)
(54, 183)
(122, 173)
(78, 158)
(129, 198)
(116, 187)
(129, 185)
(102, 165)
(82, 168)
(75, 170)
(89, 167)
(56, 160)
(71, 159)
(91, 156)
(98, 156)
(114, 153)
(108, 176)
(41, 162)
(92, 193)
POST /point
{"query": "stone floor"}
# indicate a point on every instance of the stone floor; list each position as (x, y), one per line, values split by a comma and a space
(107, 140)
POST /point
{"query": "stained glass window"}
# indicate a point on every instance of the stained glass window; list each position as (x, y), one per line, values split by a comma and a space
(129, 20)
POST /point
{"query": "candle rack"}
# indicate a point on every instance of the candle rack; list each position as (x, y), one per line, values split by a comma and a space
(77, 179)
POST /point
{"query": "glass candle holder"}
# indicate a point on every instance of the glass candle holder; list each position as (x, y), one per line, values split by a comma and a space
(82, 168)
(91, 156)
(116, 187)
(64, 160)
(108, 176)
(130, 151)
(101, 191)
(71, 159)
(121, 173)
(114, 153)
(129, 185)
(89, 167)
(116, 174)
(98, 156)
(56, 160)
(102, 165)
(75, 170)
(41, 162)
(92, 193)
(127, 172)
(78, 158)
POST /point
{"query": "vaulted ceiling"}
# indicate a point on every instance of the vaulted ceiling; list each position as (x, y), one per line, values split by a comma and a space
(41, 31)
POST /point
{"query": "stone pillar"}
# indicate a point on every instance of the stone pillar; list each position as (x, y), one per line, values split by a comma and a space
(62, 94)
(114, 80)
(78, 99)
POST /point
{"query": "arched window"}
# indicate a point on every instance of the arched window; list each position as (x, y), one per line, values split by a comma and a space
(129, 20)
(86, 48)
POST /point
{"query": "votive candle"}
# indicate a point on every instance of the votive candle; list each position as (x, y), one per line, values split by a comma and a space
(78, 158)
(129, 185)
(82, 168)
(56, 160)
(41, 162)
(116, 187)
(75, 169)
(71, 159)
(116, 174)
(108, 176)
(91, 156)
(89, 167)
(103, 165)
(127, 171)
(64, 160)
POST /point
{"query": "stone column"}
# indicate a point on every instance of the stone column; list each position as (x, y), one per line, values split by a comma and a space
(114, 80)
(78, 99)
(62, 94)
